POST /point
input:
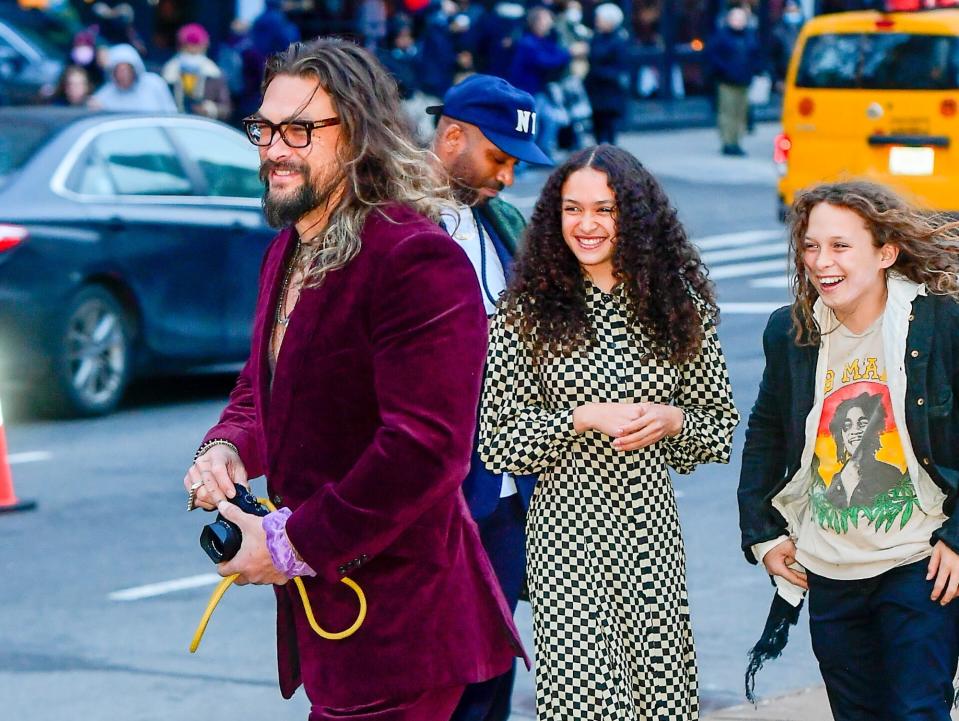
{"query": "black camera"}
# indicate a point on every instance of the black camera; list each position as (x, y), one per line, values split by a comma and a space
(221, 539)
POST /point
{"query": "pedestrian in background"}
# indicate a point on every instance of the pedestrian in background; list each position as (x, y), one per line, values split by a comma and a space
(73, 89)
(85, 53)
(198, 85)
(479, 139)
(784, 38)
(498, 32)
(130, 88)
(116, 26)
(538, 60)
(272, 31)
(734, 57)
(608, 80)
(359, 403)
(438, 45)
(848, 484)
(604, 369)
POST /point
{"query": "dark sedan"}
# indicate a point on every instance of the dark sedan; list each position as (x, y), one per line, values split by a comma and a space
(30, 63)
(129, 245)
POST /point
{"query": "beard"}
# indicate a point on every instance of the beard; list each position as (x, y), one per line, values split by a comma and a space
(464, 184)
(281, 211)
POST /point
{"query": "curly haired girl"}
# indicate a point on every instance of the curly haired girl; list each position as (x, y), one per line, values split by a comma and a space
(850, 470)
(604, 369)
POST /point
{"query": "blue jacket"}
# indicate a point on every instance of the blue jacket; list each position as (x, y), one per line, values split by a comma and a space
(734, 56)
(536, 62)
(607, 80)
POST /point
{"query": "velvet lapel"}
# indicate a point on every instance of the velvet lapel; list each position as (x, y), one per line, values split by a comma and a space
(296, 344)
(273, 274)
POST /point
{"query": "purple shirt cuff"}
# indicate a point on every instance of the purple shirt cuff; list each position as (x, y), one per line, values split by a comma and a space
(280, 548)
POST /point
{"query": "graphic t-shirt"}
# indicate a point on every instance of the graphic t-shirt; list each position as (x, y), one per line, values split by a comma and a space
(863, 517)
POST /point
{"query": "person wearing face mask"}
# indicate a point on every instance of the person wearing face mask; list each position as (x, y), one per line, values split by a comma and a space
(734, 56)
(784, 39)
(198, 85)
(131, 88)
(84, 54)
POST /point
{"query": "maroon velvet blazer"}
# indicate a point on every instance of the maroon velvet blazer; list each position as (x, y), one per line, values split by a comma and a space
(366, 436)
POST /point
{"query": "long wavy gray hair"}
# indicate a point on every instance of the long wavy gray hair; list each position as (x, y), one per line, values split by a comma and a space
(379, 162)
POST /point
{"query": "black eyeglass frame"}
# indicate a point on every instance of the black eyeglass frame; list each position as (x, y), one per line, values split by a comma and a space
(277, 128)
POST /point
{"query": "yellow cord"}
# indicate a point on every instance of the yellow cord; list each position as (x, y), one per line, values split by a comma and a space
(228, 581)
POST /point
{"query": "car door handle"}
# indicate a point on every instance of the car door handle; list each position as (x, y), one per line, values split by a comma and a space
(115, 224)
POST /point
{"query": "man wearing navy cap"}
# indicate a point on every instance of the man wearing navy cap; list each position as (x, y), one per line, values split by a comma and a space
(485, 126)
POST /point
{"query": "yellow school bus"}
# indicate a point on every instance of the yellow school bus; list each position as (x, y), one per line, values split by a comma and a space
(875, 94)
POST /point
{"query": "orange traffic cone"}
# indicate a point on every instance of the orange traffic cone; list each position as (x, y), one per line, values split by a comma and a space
(9, 501)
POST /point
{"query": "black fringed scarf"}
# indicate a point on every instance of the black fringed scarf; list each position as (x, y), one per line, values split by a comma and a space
(782, 615)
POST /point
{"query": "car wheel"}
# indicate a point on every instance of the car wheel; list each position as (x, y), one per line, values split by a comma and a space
(93, 362)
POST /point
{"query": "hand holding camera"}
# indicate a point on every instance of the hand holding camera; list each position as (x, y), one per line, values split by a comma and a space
(236, 541)
(222, 539)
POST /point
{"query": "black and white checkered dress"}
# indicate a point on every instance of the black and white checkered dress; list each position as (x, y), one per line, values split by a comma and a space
(606, 564)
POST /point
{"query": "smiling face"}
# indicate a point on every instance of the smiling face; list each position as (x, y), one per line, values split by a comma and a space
(589, 221)
(298, 180)
(845, 266)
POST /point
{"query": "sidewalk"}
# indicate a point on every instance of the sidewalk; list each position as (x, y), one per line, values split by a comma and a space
(807, 705)
(691, 112)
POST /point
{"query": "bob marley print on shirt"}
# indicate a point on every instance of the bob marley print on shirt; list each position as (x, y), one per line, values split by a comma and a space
(859, 467)
(863, 517)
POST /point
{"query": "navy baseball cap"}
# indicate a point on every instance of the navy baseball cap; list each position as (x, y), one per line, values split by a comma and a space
(504, 114)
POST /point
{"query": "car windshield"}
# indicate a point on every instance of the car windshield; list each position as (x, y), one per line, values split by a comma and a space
(880, 61)
(19, 142)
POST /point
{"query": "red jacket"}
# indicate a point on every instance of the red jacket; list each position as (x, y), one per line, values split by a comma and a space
(366, 436)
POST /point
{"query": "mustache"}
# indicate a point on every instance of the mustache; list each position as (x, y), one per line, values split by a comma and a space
(268, 166)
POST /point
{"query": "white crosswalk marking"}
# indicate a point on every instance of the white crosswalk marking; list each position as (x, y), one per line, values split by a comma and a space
(765, 255)
(778, 250)
(744, 270)
(735, 240)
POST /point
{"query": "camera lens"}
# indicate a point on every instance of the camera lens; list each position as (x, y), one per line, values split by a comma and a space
(221, 540)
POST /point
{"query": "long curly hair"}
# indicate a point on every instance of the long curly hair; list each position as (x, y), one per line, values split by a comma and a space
(928, 243)
(380, 162)
(667, 291)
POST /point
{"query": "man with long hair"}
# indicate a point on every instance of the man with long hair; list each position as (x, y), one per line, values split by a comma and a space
(358, 402)
(486, 125)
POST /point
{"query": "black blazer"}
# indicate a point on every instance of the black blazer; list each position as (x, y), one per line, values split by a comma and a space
(776, 432)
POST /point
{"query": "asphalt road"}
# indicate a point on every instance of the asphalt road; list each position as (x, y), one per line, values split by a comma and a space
(111, 518)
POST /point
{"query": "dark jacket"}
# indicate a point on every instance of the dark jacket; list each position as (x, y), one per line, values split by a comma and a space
(734, 56)
(366, 436)
(537, 61)
(607, 80)
(481, 486)
(776, 433)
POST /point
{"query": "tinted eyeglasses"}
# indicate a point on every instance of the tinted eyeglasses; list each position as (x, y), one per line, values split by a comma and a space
(295, 133)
